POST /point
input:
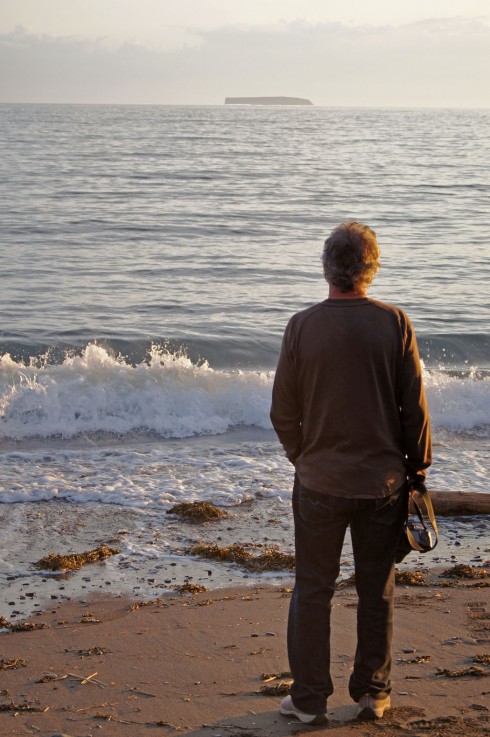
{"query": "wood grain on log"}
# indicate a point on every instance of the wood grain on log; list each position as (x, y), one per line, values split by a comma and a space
(450, 503)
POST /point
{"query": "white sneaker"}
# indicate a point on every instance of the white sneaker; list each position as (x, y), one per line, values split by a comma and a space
(288, 709)
(371, 708)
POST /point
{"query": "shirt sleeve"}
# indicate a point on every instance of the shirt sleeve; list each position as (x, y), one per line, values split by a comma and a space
(286, 409)
(414, 411)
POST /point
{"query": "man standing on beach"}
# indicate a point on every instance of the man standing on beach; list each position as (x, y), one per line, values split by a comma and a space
(349, 408)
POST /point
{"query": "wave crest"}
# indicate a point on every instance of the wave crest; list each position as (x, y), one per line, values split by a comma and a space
(95, 391)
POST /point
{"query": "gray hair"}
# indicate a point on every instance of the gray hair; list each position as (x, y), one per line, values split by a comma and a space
(351, 257)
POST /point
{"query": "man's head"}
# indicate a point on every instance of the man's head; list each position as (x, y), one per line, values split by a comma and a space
(351, 257)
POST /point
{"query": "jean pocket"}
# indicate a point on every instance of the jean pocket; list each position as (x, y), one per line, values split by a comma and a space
(316, 508)
(390, 509)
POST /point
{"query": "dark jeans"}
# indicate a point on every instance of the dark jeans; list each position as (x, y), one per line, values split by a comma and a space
(321, 521)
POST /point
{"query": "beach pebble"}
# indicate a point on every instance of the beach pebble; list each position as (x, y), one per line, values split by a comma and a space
(409, 650)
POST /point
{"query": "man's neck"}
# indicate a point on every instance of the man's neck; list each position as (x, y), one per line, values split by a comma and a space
(334, 293)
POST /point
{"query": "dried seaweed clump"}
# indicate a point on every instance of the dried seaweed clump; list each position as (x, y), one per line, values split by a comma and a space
(482, 658)
(269, 559)
(55, 562)
(410, 578)
(93, 651)
(21, 626)
(276, 689)
(21, 707)
(6, 664)
(197, 511)
(190, 588)
(464, 571)
(346, 582)
(471, 670)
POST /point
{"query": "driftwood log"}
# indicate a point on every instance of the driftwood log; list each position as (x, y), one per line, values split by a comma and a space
(451, 503)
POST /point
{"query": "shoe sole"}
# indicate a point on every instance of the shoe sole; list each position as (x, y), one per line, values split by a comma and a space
(368, 715)
(318, 719)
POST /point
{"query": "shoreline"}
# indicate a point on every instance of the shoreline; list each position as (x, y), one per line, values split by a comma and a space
(153, 559)
(194, 665)
(153, 545)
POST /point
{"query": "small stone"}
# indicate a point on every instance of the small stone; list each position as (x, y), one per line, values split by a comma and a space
(409, 650)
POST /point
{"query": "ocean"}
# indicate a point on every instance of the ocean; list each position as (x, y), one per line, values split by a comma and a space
(151, 258)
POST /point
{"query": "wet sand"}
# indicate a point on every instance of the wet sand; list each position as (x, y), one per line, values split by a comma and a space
(194, 665)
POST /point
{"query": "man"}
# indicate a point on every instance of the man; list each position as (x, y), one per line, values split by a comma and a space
(349, 408)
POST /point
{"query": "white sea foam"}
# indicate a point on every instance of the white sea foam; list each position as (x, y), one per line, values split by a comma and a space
(167, 394)
(175, 398)
(150, 475)
(459, 403)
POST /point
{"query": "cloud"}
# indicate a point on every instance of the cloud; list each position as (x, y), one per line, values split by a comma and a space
(438, 62)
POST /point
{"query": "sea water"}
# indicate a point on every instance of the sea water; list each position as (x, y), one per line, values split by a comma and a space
(152, 256)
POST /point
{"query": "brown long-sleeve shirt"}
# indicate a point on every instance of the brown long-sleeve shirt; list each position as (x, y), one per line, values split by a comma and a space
(348, 401)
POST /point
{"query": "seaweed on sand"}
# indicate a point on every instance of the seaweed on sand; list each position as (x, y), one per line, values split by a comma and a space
(12, 664)
(21, 626)
(276, 689)
(482, 658)
(346, 582)
(410, 578)
(56, 562)
(402, 578)
(471, 670)
(22, 707)
(197, 511)
(465, 571)
(268, 559)
(190, 588)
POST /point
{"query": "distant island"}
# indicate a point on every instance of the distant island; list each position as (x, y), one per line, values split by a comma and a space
(267, 101)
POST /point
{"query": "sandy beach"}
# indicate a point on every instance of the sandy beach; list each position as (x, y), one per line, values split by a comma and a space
(196, 664)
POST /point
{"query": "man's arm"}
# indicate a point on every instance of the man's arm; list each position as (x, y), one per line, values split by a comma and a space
(285, 410)
(414, 412)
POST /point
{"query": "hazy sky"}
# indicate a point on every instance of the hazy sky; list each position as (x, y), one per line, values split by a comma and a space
(336, 52)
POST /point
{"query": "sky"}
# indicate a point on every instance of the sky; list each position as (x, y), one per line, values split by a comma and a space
(377, 53)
